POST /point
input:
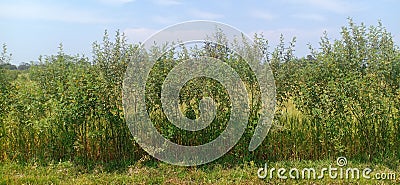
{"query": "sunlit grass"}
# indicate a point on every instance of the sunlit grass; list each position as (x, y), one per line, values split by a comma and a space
(160, 173)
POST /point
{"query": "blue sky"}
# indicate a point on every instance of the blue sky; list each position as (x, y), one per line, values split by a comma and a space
(36, 27)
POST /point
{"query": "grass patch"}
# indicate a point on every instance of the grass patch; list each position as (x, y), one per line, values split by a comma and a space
(144, 172)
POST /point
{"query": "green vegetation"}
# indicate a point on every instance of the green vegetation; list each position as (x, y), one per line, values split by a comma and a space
(341, 100)
(146, 172)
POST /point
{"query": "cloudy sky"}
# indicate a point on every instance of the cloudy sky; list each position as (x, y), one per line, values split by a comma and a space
(36, 27)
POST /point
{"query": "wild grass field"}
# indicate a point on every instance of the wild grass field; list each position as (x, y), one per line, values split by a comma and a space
(62, 121)
(145, 172)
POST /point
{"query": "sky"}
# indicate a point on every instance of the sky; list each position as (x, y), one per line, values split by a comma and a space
(37, 27)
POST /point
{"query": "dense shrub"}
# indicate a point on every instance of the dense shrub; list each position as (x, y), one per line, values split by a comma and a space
(342, 99)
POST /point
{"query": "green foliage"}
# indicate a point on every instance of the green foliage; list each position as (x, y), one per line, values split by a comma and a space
(5, 58)
(343, 99)
(349, 90)
(4, 88)
(67, 108)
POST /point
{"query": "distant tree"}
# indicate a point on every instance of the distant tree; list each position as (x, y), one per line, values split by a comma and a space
(24, 66)
(8, 66)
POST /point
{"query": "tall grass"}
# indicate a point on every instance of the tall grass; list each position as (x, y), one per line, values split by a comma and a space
(342, 100)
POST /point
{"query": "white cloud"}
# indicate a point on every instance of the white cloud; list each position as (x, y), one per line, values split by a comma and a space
(190, 31)
(168, 2)
(30, 11)
(164, 19)
(332, 5)
(309, 16)
(205, 15)
(139, 34)
(262, 15)
(336, 6)
(116, 2)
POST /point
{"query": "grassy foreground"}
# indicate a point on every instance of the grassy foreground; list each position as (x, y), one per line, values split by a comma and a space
(161, 173)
